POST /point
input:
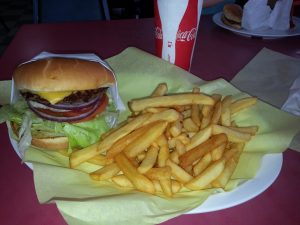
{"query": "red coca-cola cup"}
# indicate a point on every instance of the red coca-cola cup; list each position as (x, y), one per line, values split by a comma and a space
(176, 25)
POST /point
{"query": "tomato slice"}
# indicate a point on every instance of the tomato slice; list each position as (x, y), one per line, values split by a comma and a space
(74, 113)
(100, 109)
(70, 113)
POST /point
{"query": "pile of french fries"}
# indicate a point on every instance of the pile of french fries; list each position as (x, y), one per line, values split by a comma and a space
(171, 142)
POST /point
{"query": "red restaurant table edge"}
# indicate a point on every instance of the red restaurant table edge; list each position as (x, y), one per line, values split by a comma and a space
(218, 53)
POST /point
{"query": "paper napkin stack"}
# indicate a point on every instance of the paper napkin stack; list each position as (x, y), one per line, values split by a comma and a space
(258, 15)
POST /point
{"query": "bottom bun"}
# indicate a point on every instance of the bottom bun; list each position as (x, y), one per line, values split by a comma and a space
(55, 143)
(49, 143)
(229, 23)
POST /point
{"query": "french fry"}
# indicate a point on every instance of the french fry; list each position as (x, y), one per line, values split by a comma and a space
(207, 109)
(226, 114)
(172, 143)
(107, 133)
(239, 146)
(226, 117)
(122, 181)
(155, 110)
(179, 108)
(217, 111)
(145, 140)
(223, 178)
(202, 164)
(195, 110)
(160, 90)
(190, 134)
(200, 137)
(119, 145)
(175, 129)
(140, 157)
(189, 169)
(140, 181)
(134, 161)
(186, 113)
(159, 173)
(174, 156)
(80, 156)
(170, 101)
(217, 153)
(190, 125)
(166, 186)
(169, 115)
(242, 104)
(164, 176)
(106, 143)
(164, 151)
(207, 176)
(180, 147)
(176, 186)
(194, 154)
(179, 173)
(100, 160)
(162, 141)
(216, 97)
(233, 135)
(183, 138)
(205, 122)
(149, 160)
(226, 102)
(105, 172)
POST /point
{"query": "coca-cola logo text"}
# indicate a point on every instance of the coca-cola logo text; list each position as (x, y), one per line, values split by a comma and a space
(158, 33)
(186, 35)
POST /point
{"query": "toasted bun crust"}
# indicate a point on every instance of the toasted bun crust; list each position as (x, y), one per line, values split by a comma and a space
(55, 143)
(62, 74)
(233, 12)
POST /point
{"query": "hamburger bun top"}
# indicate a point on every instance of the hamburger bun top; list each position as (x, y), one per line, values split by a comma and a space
(233, 12)
(62, 74)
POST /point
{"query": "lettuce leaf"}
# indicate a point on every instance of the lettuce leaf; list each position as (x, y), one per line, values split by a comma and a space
(85, 133)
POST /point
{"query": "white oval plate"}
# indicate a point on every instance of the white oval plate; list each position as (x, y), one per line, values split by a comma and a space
(266, 175)
(266, 34)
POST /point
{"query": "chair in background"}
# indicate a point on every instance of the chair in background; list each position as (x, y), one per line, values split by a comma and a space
(47, 11)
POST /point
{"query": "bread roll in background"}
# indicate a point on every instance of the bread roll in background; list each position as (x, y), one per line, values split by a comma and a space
(232, 15)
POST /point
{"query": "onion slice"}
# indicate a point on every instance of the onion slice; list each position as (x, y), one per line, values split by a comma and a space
(42, 106)
(65, 119)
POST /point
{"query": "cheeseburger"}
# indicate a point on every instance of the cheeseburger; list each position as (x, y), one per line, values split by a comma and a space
(64, 103)
(232, 15)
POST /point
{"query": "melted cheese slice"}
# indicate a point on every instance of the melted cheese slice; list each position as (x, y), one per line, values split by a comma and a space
(54, 97)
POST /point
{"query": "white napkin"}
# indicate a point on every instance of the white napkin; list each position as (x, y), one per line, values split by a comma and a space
(280, 16)
(292, 104)
(258, 15)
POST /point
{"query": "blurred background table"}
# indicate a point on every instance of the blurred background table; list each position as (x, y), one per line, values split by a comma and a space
(218, 53)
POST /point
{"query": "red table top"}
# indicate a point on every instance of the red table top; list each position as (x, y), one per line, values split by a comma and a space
(218, 53)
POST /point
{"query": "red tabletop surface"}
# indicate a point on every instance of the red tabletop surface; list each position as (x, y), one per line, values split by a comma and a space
(218, 53)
